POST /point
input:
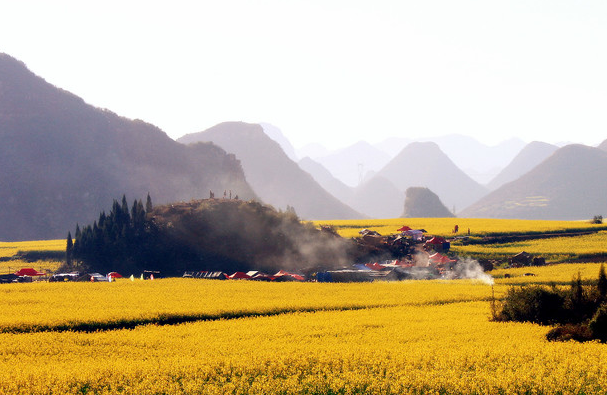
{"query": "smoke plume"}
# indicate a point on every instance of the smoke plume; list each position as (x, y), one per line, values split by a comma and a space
(470, 269)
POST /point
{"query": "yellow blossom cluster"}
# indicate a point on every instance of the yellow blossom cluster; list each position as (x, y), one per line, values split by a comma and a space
(446, 348)
(10, 248)
(445, 226)
(557, 248)
(191, 336)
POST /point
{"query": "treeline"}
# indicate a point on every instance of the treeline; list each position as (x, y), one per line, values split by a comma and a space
(214, 234)
(578, 311)
(118, 241)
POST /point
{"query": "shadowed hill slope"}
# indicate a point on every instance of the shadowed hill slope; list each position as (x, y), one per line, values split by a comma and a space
(532, 155)
(326, 180)
(63, 161)
(378, 198)
(568, 185)
(274, 177)
(424, 164)
(423, 203)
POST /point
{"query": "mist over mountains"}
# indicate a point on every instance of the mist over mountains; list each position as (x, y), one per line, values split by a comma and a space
(275, 178)
(62, 161)
(530, 156)
(570, 184)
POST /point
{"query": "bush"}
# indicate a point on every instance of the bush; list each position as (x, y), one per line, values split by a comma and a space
(577, 332)
(598, 324)
(533, 304)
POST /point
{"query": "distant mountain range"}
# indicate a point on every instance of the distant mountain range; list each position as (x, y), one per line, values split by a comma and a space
(425, 165)
(532, 155)
(353, 164)
(275, 178)
(63, 161)
(326, 180)
(570, 184)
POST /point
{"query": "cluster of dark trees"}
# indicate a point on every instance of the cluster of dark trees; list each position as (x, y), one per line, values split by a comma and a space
(118, 241)
(578, 311)
(214, 234)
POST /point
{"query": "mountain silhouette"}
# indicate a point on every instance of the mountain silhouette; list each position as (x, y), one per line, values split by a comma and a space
(479, 161)
(378, 198)
(63, 161)
(273, 176)
(326, 180)
(423, 203)
(529, 157)
(568, 185)
(350, 164)
(276, 134)
(425, 165)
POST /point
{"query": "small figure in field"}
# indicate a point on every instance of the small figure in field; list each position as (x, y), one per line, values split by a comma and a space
(468, 231)
(456, 229)
(211, 195)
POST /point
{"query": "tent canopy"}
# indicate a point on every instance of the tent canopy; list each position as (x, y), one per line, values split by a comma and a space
(239, 275)
(28, 271)
(437, 240)
(285, 274)
(439, 258)
(375, 266)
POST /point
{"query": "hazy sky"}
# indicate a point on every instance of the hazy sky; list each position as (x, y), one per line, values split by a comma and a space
(333, 72)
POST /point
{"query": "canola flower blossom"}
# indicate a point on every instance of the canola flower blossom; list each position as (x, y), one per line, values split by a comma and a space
(409, 337)
(190, 336)
(445, 226)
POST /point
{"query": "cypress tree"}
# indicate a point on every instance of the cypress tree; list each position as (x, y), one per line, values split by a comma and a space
(126, 216)
(69, 250)
(77, 237)
(602, 285)
(577, 290)
(148, 204)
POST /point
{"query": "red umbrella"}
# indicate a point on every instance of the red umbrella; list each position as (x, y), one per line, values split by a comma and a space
(404, 229)
(114, 275)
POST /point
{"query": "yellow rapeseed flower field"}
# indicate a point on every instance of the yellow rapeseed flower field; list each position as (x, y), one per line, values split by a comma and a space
(10, 249)
(190, 336)
(423, 345)
(558, 248)
(445, 226)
